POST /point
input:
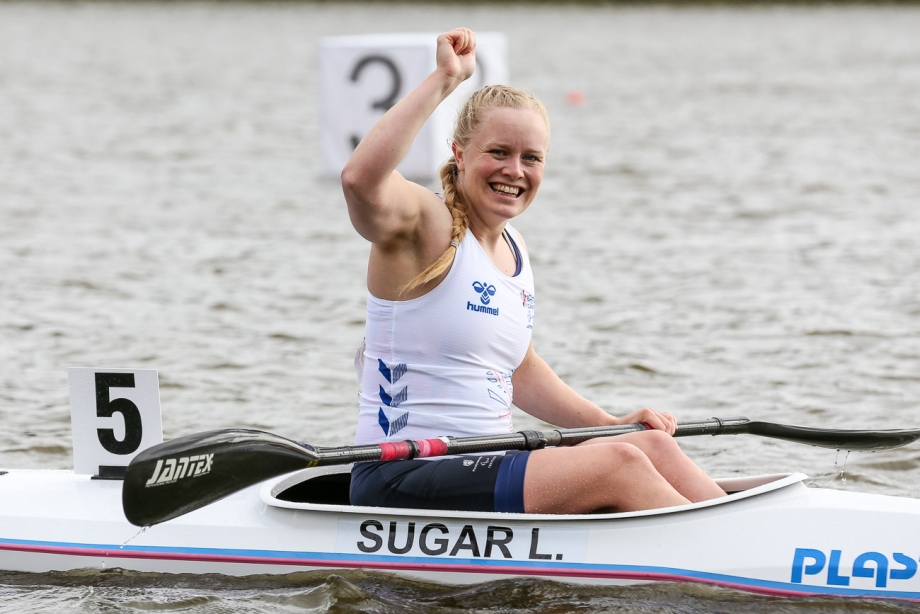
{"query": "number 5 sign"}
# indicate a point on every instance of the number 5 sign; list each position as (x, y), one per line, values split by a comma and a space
(361, 77)
(114, 414)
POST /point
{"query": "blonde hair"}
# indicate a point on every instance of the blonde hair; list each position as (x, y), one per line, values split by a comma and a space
(487, 98)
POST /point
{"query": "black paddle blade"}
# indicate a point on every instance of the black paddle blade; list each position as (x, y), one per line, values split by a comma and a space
(184, 474)
(834, 438)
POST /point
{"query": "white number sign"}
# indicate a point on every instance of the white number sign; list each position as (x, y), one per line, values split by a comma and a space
(361, 77)
(114, 414)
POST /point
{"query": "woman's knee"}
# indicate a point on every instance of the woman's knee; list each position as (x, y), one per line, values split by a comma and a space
(623, 454)
(658, 444)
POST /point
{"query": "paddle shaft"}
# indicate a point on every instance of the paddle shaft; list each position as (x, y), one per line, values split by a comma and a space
(187, 473)
(451, 446)
(532, 440)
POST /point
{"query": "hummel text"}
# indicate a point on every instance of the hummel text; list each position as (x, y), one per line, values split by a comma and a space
(492, 311)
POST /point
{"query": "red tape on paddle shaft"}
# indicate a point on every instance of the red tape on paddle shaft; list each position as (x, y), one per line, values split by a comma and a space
(403, 450)
(395, 451)
(431, 447)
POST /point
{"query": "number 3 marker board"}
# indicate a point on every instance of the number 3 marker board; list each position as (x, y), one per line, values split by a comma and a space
(114, 414)
(361, 77)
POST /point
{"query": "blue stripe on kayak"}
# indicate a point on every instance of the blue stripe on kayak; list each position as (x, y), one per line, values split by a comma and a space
(433, 564)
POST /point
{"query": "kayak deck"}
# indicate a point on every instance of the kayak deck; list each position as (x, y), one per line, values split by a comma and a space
(772, 535)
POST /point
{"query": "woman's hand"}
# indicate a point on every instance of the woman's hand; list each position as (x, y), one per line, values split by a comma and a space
(661, 421)
(456, 53)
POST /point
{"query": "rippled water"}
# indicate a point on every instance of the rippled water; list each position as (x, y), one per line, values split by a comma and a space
(728, 226)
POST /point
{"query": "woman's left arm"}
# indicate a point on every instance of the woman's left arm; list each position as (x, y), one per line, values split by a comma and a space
(542, 394)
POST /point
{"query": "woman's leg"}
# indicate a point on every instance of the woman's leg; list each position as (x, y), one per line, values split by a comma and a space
(626, 473)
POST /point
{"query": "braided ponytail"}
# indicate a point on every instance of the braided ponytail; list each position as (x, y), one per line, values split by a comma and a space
(460, 222)
(489, 97)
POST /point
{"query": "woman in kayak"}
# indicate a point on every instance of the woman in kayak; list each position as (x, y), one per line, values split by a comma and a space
(449, 317)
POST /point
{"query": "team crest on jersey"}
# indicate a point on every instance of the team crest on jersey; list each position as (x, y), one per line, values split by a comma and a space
(528, 300)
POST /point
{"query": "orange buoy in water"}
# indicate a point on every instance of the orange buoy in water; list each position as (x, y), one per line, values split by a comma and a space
(575, 98)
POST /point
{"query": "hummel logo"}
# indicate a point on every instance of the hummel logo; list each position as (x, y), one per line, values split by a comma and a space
(173, 469)
(486, 292)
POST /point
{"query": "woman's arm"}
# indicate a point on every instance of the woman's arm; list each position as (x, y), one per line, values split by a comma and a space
(384, 207)
(542, 394)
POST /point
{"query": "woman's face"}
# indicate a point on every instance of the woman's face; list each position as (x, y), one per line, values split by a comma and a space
(501, 167)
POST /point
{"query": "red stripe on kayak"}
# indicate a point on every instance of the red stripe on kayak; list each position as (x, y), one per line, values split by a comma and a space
(431, 567)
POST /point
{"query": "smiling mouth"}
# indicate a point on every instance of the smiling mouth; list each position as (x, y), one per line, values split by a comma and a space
(506, 190)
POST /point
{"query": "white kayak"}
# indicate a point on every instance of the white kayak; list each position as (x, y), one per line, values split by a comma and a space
(771, 535)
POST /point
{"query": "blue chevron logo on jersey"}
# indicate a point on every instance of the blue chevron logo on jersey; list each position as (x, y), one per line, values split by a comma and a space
(390, 422)
(394, 401)
(393, 374)
(391, 427)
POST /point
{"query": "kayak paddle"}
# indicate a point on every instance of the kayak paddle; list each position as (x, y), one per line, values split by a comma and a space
(181, 475)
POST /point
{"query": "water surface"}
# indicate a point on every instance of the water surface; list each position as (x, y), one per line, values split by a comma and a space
(728, 226)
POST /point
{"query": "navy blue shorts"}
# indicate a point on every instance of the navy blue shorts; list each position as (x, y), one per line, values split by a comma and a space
(465, 483)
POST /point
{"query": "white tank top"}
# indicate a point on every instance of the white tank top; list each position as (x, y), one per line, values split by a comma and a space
(441, 364)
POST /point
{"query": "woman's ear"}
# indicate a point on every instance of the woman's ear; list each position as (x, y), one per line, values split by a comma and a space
(458, 155)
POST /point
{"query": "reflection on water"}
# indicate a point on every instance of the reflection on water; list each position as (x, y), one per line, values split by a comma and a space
(728, 226)
(355, 592)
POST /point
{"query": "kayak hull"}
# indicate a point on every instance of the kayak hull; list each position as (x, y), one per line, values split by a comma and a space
(773, 535)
